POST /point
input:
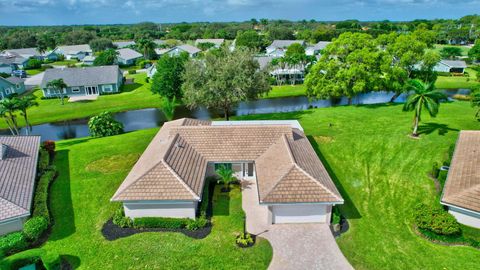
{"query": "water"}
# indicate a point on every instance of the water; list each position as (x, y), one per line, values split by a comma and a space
(149, 118)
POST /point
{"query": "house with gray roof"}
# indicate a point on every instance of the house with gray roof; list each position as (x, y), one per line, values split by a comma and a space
(177, 50)
(159, 42)
(30, 53)
(276, 156)
(123, 44)
(18, 169)
(9, 63)
(217, 42)
(279, 47)
(127, 56)
(86, 81)
(74, 51)
(10, 86)
(317, 48)
(451, 66)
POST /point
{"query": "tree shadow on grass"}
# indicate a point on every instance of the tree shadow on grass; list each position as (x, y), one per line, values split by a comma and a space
(73, 142)
(349, 209)
(130, 87)
(61, 199)
(221, 202)
(73, 261)
(428, 128)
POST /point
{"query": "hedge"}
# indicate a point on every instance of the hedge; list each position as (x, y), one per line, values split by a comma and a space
(43, 161)
(436, 220)
(160, 222)
(35, 227)
(12, 242)
(50, 260)
(40, 201)
(206, 195)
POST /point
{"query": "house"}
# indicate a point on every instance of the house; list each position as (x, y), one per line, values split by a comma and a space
(127, 56)
(151, 71)
(452, 66)
(30, 53)
(123, 44)
(74, 51)
(168, 179)
(282, 73)
(461, 193)
(84, 81)
(160, 42)
(177, 50)
(10, 63)
(88, 60)
(10, 86)
(18, 169)
(317, 48)
(217, 42)
(279, 47)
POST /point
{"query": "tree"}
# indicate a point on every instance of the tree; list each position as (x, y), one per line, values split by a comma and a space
(8, 108)
(224, 79)
(295, 49)
(101, 44)
(205, 45)
(474, 52)
(476, 102)
(348, 66)
(167, 81)
(58, 85)
(23, 104)
(250, 39)
(424, 96)
(33, 63)
(280, 32)
(168, 107)
(104, 125)
(226, 176)
(106, 58)
(450, 52)
(147, 46)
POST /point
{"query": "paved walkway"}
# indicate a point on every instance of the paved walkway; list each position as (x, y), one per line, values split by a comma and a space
(34, 80)
(295, 246)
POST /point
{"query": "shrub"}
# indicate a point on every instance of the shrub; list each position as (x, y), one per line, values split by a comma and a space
(244, 240)
(104, 125)
(336, 216)
(195, 224)
(160, 222)
(40, 201)
(12, 242)
(436, 220)
(43, 161)
(33, 63)
(35, 227)
(50, 260)
(132, 71)
(206, 195)
(121, 220)
(49, 145)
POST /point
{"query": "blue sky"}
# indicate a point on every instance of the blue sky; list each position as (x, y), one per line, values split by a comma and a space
(57, 12)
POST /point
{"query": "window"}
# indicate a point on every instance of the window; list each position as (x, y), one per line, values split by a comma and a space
(218, 165)
(75, 89)
(7, 91)
(107, 88)
(18, 86)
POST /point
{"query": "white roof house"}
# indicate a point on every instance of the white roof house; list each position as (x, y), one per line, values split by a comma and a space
(127, 56)
(27, 53)
(216, 41)
(123, 44)
(74, 51)
(177, 50)
(278, 47)
(315, 49)
(454, 66)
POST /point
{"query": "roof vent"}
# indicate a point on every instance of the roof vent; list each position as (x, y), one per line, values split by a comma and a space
(3, 151)
(178, 145)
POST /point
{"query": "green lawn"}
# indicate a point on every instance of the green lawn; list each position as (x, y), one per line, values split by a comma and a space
(439, 47)
(286, 91)
(63, 63)
(382, 173)
(453, 82)
(31, 72)
(90, 170)
(134, 96)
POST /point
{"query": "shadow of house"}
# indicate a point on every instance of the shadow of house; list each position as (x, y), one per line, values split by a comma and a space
(428, 128)
(61, 199)
(348, 208)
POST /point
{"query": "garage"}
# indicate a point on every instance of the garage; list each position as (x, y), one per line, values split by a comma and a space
(160, 209)
(299, 213)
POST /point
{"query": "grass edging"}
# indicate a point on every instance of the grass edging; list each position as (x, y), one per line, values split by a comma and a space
(454, 241)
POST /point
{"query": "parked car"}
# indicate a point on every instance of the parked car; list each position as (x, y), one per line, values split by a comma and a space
(19, 73)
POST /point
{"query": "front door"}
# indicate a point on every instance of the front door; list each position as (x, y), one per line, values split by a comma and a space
(91, 90)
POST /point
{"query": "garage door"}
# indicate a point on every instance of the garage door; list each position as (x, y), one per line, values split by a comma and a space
(308, 213)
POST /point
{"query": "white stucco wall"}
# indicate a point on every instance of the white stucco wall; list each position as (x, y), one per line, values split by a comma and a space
(160, 209)
(465, 217)
(12, 226)
(300, 213)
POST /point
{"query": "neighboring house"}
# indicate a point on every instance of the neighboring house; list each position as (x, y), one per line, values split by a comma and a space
(127, 56)
(160, 42)
(18, 169)
(151, 71)
(233, 45)
(74, 51)
(279, 47)
(10, 63)
(177, 50)
(10, 86)
(30, 53)
(452, 66)
(88, 60)
(283, 74)
(169, 177)
(84, 81)
(216, 41)
(317, 48)
(123, 44)
(461, 193)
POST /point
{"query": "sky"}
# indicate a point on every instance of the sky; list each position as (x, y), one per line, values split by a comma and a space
(67, 12)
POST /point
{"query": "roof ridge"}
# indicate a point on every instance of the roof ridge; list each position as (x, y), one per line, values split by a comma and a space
(289, 149)
(316, 181)
(180, 179)
(278, 182)
(9, 201)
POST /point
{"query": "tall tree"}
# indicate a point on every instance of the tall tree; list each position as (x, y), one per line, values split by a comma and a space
(224, 79)
(106, 58)
(474, 52)
(8, 109)
(167, 81)
(58, 85)
(450, 52)
(250, 39)
(424, 97)
(348, 66)
(23, 104)
(476, 102)
(101, 44)
(147, 46)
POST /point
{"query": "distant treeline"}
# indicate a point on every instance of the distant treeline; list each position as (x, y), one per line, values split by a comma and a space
(461, 31)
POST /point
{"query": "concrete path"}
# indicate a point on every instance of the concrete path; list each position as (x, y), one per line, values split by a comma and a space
(295, 246)
(34, 80)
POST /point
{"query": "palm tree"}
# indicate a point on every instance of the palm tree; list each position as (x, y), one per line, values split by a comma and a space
(476, 103)
(424, 95)
(146, 45)
(23, 104)
(226, 177)
(58, 85)
(8, 108)
(168, 107)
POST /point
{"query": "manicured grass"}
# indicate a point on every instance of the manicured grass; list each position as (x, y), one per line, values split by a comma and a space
(80, 206)
(134, 96)
(286, 91)
(63, 63)
(382, 173)
(32, 72)
(455, 82)
(439, 47)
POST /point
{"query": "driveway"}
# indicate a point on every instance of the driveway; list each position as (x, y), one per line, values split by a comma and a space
(295, 246)
(34, 80)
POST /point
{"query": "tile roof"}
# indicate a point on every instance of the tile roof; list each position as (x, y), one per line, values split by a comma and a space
(15, 80)
(12, 60)
(17, 175)
(74, 49)
(128, 54)
(82, 76)
(123, 44)
(455, 63)
(173, 166)
(463, 182)
(285, 43)
(189, 48)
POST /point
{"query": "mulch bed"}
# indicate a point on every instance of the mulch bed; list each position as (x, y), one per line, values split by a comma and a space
(344, 226)
(254, 238)
(439, 242)
(113, 232)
